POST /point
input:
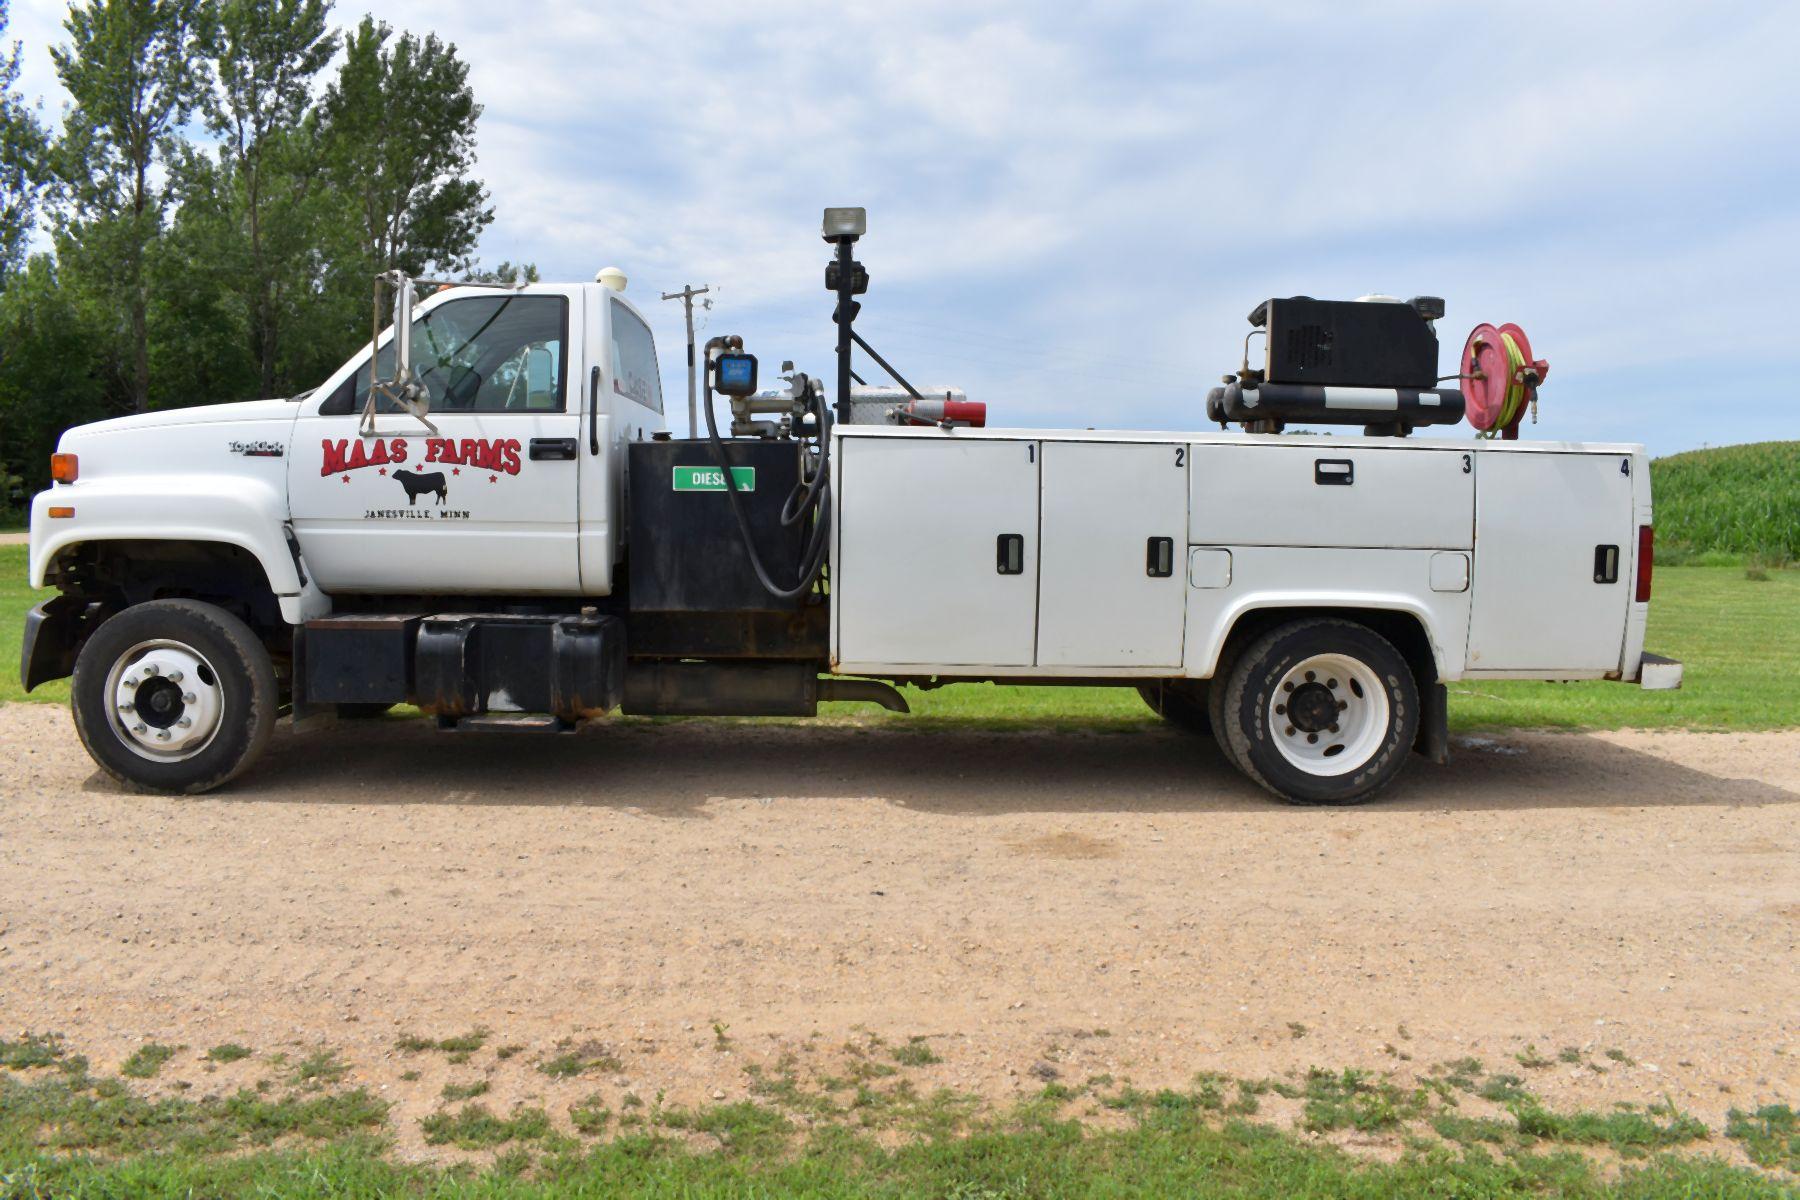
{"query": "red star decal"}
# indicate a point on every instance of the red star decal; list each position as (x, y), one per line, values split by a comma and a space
(456, 470)
(346, 479)
(493, 479)
(383, 471)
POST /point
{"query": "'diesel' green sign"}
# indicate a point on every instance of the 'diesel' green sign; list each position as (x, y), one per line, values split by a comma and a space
(712, 479)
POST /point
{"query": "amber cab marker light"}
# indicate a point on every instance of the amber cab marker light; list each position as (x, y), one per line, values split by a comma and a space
(64, 468)
(61, 512)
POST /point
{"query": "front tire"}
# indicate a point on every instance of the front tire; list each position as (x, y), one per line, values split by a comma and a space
(1320, 711)
(174, 696)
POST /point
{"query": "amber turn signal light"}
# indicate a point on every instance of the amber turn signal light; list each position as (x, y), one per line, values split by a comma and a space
(60, 512)
(64, 468)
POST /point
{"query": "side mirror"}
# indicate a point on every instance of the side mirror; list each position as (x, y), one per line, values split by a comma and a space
(403, 388)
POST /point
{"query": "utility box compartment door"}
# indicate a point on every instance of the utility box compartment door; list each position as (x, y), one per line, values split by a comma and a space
(1267, 494)
(937, 555)
(1112, 584)
(1540, 602)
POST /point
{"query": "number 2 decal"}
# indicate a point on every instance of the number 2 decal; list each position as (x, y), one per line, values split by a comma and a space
(1181, 456)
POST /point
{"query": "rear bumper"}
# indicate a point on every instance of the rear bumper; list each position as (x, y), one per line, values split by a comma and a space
(1658, 674)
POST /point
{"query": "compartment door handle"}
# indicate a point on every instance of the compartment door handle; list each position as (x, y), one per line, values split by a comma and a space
(1159, 557)
(1009, 554)
(1341, 471)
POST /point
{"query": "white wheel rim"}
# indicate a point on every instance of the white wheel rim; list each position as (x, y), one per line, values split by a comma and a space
(1329, 714)
(166, 700)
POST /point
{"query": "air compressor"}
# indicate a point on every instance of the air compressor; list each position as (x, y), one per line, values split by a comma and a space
(1373, 362)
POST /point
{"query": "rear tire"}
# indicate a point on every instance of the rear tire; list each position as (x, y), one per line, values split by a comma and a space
(1180, 702)
(1320, 711)
(174, 696)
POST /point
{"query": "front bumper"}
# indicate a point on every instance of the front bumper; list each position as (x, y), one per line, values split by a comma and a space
(1658, 674)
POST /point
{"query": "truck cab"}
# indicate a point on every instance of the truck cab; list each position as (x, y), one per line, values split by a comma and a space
(516, 485)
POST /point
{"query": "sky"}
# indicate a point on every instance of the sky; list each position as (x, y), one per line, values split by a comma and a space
(1073, 207)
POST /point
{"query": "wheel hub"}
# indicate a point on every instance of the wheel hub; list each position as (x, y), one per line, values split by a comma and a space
(1329, 714)
(1312, 708)
(167, 700)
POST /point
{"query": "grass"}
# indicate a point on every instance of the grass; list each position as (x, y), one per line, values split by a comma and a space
(1770, 1135)
(147, 1060)
(1741, 500)
(64, 1132)
(228, 1052)
(473, 1127)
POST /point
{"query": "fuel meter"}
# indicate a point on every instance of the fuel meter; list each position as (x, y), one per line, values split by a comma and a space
(734, 374)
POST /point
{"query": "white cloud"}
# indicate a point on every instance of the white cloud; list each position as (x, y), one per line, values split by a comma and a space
(1071, 208)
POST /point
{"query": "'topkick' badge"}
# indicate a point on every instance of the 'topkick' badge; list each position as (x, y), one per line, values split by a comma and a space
(712, 479)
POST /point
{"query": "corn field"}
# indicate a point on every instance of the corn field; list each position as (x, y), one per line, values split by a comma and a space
(1736, 500)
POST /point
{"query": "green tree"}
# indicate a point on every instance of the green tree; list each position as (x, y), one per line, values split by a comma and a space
(134, 70)
(47, 378)
(266, 54)
(399, 127)
(22, 147)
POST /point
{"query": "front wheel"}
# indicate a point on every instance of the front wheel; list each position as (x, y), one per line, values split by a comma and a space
(1320, 711)
(174, 696)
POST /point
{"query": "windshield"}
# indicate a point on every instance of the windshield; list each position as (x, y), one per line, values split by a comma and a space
(492, 353)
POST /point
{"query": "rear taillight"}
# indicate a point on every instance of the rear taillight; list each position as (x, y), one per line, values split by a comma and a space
(64, 468)
(1646, 560)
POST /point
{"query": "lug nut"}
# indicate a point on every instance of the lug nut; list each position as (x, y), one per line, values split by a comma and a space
(187, 697)
(162, 735)
(1334, 728)
(1310, 677)
(1312, 739)
(152, 669)
(128, 706)
(1280, 710)
(1330, 683)
(175, 677)
(140, 727)
(1343, 704)
(186, 722)
(1287, 687)
(1290, 731)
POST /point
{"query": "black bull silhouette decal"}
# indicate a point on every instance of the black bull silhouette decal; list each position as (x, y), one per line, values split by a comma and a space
(419, 483)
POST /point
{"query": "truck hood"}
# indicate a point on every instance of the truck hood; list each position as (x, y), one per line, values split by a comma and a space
(204, 414)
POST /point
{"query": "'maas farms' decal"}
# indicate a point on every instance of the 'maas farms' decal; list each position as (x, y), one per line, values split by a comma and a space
(390, 457)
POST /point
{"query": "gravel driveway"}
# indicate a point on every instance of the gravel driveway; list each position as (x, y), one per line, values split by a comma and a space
(1037, 905)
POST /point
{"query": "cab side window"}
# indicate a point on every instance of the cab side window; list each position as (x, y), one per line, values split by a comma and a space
(479, 354)
(634, 369)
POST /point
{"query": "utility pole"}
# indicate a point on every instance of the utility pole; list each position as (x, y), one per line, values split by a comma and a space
(686, 296)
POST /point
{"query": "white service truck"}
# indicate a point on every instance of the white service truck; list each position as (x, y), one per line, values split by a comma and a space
(488, 519)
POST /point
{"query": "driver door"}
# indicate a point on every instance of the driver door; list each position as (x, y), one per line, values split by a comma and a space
(487, 503)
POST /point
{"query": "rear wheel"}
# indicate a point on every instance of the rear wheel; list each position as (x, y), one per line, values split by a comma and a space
(1320, 711)
(174, 696)
(1180, 702)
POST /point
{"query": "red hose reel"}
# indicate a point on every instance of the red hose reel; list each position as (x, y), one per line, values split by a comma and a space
(1500, 379)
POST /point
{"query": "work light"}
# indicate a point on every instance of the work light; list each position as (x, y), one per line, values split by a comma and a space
(842, 223)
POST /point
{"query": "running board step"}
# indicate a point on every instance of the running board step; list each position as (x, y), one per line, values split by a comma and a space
(506, 723)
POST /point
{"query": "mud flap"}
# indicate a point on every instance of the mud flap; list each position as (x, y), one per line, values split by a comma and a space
(52, 636)
(1433, 740)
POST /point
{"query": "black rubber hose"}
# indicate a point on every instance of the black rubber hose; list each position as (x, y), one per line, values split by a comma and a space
(813, 559)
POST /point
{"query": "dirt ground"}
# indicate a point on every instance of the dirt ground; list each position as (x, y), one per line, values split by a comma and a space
(1038, 906)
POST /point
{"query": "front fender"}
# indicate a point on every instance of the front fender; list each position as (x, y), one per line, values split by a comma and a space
(241, 511)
